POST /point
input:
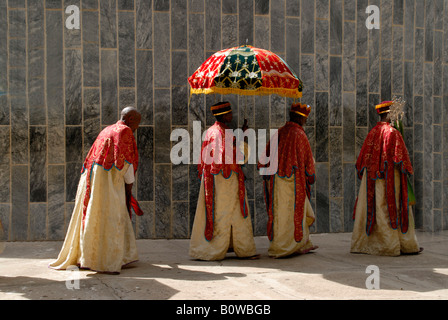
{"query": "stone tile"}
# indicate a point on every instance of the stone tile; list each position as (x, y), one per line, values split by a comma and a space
(108, 24)
(336, 215)
(38, 219)
(322, 138)
(278, 26)
(162, 201)
(350, 195)
(322, 197)
(125, 4)
(361, 92)
(162, 59)
(179, 27)
(73, 87)
(38, 164)
(361, 30)
(162, 125)
(246, 23)
(349, 127)
(161, 5)
(336, 152)
(19, 131)
(143, 22)
(126, 51)
(145, 172)
(180, 220)
(5, 175)
(261, 7)
(109, 83)
(335, 91)
(213, 25)
(19, 201)
(145, 223)
(5, 215)
(307, 31)
(145, 86)
(336, 27)
(56, 202)
(409, 17)
(322, 9)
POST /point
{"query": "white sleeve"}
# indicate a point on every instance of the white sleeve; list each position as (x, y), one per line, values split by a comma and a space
(129, 175)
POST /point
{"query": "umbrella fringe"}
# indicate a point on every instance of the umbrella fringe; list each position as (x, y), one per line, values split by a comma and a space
(288, 93)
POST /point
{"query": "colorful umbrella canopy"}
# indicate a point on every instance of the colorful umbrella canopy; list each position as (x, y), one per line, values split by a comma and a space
(246, 70)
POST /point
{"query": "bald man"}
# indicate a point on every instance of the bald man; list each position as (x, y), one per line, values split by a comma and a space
(100, 236)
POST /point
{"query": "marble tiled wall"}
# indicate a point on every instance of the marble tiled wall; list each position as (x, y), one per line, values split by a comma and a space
(60, 87)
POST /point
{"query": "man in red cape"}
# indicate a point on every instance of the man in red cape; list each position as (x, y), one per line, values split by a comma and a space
(222, 220)
(287, 187)
(100, 236)
(384, 223)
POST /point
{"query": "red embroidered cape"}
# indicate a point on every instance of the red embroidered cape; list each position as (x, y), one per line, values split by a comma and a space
(114, 146)
(294, 157)
(214, 146)
(382, 150)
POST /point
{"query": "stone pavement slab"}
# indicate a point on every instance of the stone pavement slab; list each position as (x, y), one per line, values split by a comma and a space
(166, 272)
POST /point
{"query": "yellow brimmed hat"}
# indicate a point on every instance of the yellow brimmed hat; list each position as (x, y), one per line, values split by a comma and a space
(383, 107)
(221, 108)
(301, 109)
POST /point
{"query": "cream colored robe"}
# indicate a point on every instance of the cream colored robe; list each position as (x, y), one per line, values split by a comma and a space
(383, 240)
(231, 229)
(283, 243)
(107, 241)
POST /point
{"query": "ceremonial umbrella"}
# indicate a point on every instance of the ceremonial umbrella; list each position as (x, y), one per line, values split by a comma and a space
(246, 70)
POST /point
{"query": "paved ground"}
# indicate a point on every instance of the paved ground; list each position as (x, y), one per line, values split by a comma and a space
(165, 271)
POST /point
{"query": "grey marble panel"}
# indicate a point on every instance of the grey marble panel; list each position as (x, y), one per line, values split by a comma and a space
(162, 125)
(54, 86)
(5, 175)
(418, 166)
(108, 23)
(109, 84)
(336, 27)
(20, 206)
(53, 4)
(92, 122)
(180, 105)
(419, 59)
(386, 28)
(125, 4)
(19, 131)
(56, 202)
(350, 10)
(91, 65)
(438, 68)
(17, 53)
(437, 110)
(307, 31)
(408, 89)
(278, 26)
(361, 30)
(193, 190)
(145, 223)
(349, 127)
(374, 99)
(73, 87)
(230, 31)
(322, 123)
(16, 4)
(322, 9)
(361, 92)
(127, 98)
(145, 86)
(429, 30)
(322, 197)
(126, 52)
(162, 59)
(143, 22)
(38, 219)
(5, 144)
(419, 13)
(307, 76)
(229, 6)
(72, 37)
(38, 162)
(350, 195)
(261, 7)
(90, 4)
(336, 152)
(73, 144)
(322, 41)
(72, 174)
(180, 182)
(17, 23)
(409, 17)
(180, 220)
(262, 32)
(418, 109)
(336, 215)
(161, 5)
(335, 91)
(293, 44)
(374, 62)
(246, 22)
(386, 80)
(278, 111)
(397, 63)
(349, 60)
(145, 175)
(322, 72)
(213, 25)
(195, 48)
(179, 28)
(260, 214)
(293, 8)
(5, 214)
(438, 167)
(398, 8)
(162, 197)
